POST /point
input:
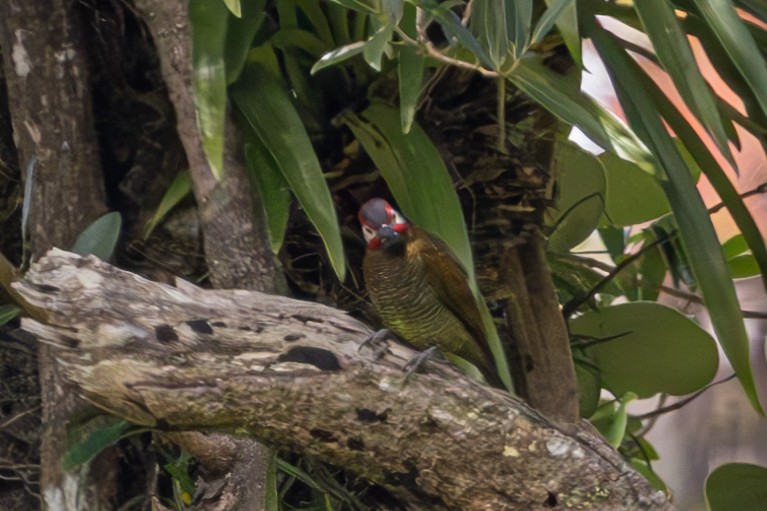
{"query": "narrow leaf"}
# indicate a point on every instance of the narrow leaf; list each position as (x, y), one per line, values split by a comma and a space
(736, 40)
(519, 20)
(273, 189)
(697, 233)
(88, 440)
(267, 107)
(452, 26)
(100, 237)
(239, 37)
(488, 22)
(234, 7)
(375, 46)
(562, 97)
(674, 52)
(566, 19)
(411, 67)
(179, 189)
(339, 55)
(8, 312)
(709, 165)
(556, 9)
(209, 21)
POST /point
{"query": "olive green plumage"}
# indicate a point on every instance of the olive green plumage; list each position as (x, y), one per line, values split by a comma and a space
(421, 292)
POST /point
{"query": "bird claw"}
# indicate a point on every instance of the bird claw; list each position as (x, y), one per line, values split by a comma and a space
(378, 341)
(414, 363)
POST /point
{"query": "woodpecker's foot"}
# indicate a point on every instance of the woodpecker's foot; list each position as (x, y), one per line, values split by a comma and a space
(378, 342)
(414, 363)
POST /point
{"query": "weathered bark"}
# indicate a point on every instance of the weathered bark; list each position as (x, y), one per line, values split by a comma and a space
(291, 374)
(49, 101)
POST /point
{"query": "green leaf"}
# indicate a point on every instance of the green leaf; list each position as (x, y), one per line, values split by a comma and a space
(708, 164)
(743, 266)
(736, 40)
(737, 486)
(273, 189)
(611, 419)
(633, 196)
(556, 9)
(297, 38)
(272, 494)
(239, 36)
(209, 20)
(519, 20)
(375, 46)
(452, 26)
(643, 467)
(100, 237)
(647, 348)
(589, 386)
(489, 22)
(734, 246)
(8, 312)
(86, 441)
(410, 66)
(565, 15)
(358, 5)
(696, 230)
(178, 190)
(339, 55)
(234, 7)
(561, 95)
(674, 52)
(266, 106)
(580, 205)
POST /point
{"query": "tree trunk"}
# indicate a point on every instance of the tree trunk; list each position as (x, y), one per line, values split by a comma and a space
(56, 144)
(292, 374)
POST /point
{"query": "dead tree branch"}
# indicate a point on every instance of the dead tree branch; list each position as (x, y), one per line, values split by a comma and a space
(291, 374)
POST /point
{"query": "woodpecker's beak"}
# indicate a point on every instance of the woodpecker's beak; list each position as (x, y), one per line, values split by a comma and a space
(387, 235)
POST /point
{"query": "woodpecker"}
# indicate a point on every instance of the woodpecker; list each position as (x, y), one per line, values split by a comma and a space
(420, 289)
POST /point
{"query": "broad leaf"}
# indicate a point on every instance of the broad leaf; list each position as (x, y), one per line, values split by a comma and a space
(375, 46)
(267, 107)
(633, 195)
(489, 20)
(100, 238)
(737, 486)
(209, 21)
(647, 348)
(580, 205)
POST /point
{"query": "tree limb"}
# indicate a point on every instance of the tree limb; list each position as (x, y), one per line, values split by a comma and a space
(291, 374)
